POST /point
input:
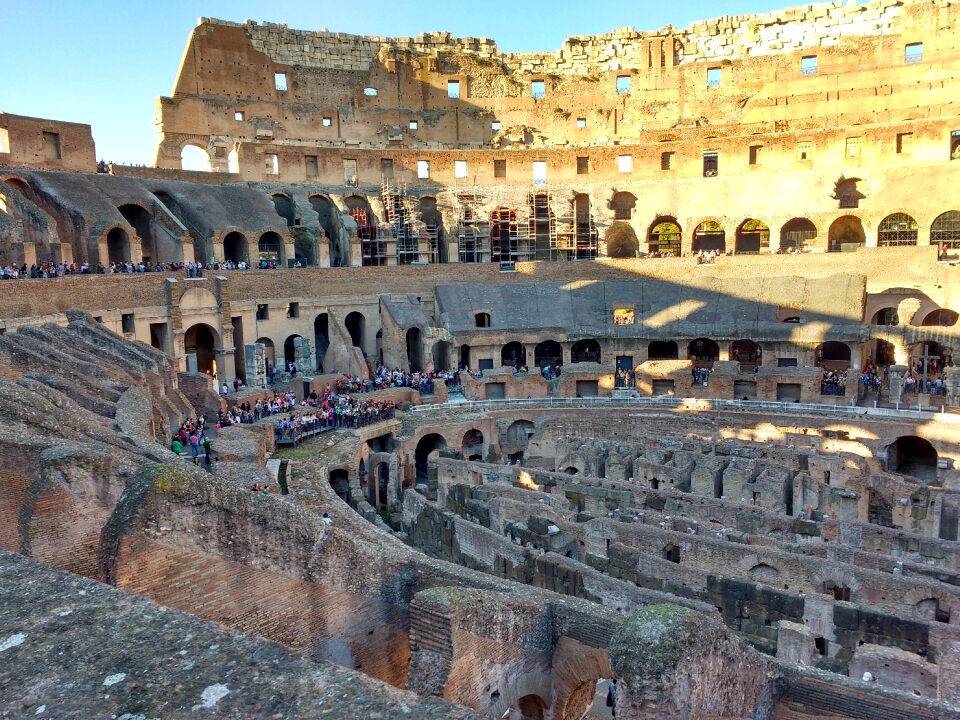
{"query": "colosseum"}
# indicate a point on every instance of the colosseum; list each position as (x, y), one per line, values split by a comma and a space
(683, 443)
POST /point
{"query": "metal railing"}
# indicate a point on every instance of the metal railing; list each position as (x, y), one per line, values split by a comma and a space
(700, 405)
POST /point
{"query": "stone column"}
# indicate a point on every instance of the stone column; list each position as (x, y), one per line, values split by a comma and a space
(896, 375)
(303, 357)
(255, 356)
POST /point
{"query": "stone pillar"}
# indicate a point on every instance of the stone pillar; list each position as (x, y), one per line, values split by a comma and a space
(948, 690)
(951, 377)
(303, 357)
(896, 375)
(226, 371)
(192, 366)
(255, 356)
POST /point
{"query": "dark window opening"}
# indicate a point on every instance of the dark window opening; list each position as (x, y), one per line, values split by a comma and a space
(500, 168)
(293, 310)
(482, 319)
(583, 166)
(126, 322)
(263, 312)
(711, 164)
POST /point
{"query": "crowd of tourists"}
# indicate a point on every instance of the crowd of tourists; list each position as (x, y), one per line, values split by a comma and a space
(550, 372)
(626, 378)
(332, 410)
(705, 257)
(191, 436)
(934, 384)
(834, 382)
(701, 375)
(43, 271)
(384, 378)
(871, 379)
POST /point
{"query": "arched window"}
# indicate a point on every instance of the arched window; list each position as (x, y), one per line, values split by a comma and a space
(846, 234)
(709, 236)
(945, 230)
(897, 229)
(482, 319)
(664, 237)
(753, 236)
(622, 205)
(585, 351)
(193, 157)
(796, 234)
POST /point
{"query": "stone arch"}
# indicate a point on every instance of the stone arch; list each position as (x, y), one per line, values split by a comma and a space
(202, 340)
(913, 455)
(270, 249)
(665, 237)
(118, 245)
(355, 324)
(194, 156)
(414, 342)
(330, 223)
(340, 482)
(663, 350)
(513, 354)
(623, 205)
(432, 221)
(285, 208)
(703, 350)
(897, 229)
(886, 316)
(235, 247)
(586, 350)
(621, 240)
(766, 574)
(796, 234)
(709, 236)
(941, 317)
(472, 444)
(846, 233)
(746, 351)
(547, 354)
(576, 670)
(833, 354)
(945, 230)
(270, 351)
(290, 351)
(321, 336)
(140, 220)
(426, 445)
(517, 436)
(752, 237)
(441, 356)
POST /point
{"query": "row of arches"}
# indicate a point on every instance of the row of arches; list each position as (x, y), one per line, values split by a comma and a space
(550, 352)
(941, 317)
(847, 232)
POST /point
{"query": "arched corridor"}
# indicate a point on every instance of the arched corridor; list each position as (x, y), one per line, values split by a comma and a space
(202, 340)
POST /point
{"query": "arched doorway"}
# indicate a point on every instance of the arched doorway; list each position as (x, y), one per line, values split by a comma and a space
(372, 249)
(140, 219)
(270, 249)
(664, 237)
(940, 318)
(663, 350)
(426, 445)
(753, 237)
(194, 157)
(340, 482)
(321, 336)
(796, 234)
(945, 230)
(290, 351)
(415, 349)
(585, 236)
(382, 486)
(202, 340)
(441, 356)
(912, 455)
(118, 246)
(746, 352)
(513, 355)
(531, 707)
(269, 352)
(897, 229)
(709, 236)
(285, 208)
(846, 234)
(585, 351)
(472, 445)
(464, 357)
(329, 218)
(547, 354)
(235, 247)
(833, 355)
(703, 351)
(355, 323)
(886, 316)
(433, 225)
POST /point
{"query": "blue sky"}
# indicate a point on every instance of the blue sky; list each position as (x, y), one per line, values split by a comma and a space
(103, 62)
